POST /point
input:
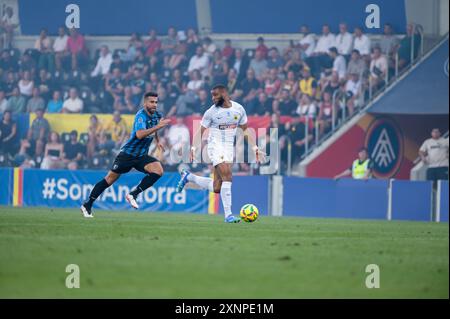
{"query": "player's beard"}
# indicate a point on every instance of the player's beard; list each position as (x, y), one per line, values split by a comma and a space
(220, 102)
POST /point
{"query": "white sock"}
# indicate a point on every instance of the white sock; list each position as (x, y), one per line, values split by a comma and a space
(225, 194)
(204, 182)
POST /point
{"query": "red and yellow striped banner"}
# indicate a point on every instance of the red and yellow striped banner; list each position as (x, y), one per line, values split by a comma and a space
(18, 187)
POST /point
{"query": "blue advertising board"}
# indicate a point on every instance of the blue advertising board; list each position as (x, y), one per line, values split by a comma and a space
(6, 189)
(411, 200)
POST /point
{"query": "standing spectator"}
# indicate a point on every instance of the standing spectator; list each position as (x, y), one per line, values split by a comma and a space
(3, 101)
(339, 65)
(285, 104)
(228, 50)
(362, 43)
(389, 42)
(73, 104)
(153, 44)
(73, 152)
(17, 103)
(56, 103)
(308, 42)
(434, 153)
(361, 168)
(200, 62)
(240, 63)
(306, 107)
(8, 130)
(77, 49)
(60, 47)
(262, 48)
(319, 58)
(117, 128)
(53, 154)
(169, 43)
(26, 84)
(274, 61)
(344, 41)
(44, 46)
(35, 102)
(357, 65)
(378, 68)
(404, 51)
(259, 65)
(37, 135)
(8, 26)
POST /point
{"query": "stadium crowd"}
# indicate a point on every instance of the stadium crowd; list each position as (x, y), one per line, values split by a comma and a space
(60, 75)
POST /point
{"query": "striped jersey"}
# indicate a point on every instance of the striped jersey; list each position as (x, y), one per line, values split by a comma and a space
(142, 121)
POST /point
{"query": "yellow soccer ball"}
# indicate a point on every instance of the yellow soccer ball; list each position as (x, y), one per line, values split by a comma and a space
(249, 213)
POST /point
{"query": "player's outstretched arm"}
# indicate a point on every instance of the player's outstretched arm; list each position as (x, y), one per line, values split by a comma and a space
(140, 134)
(197, 141)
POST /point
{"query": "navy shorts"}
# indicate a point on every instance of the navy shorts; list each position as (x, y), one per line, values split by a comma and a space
(125, 162)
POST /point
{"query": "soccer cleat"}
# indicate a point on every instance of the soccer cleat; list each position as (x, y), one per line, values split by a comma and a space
(130, 199)
(86, 212)
(232, 219)
(183, 180)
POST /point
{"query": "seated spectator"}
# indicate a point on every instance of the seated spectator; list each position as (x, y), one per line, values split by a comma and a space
(117, 128)
(339, 64)
(36, 138)
(53, 154)
(56, 103)
(192, 42)
(294, 64)
(308, 42)
(153, 44)
(73, 152)
(8, 25)
(60, 48)
(295, 132)
(325, 116)
(103, 63)
(9, 84)
(259, 65)
(203, 104)
(319, 58)
(248, 88)
(404, 51)
(35, 102)
(7, 63)
(378, 69)
(179, 56)
(331, 84)
(261, 47)
(27, 63)
(186, 102)
(200, 62)
(169, 43)
(126, 104)
(118, 63)
(306, 107)
(389, 42)
(209, 47)
(165, 102)
(362, 43)
(17, 103)
(227, 50)
(218, 69)
(44, 84)
(353, 91)
(77, 49)
(344, 41)
(356, 65)
(139, 62)
(26, 84)
(285, 104)
(240, 64)
(308, 84)
(272, 84)
(275, 61)
(44, 46)
(134, 44)
(114, 87)
(3, 102)
(231, 82)
(290, 84)
(137, 85)
(73, 104)
(8, 131)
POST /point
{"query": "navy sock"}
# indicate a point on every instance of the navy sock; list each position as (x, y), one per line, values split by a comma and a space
(97, 191)
(145, 183)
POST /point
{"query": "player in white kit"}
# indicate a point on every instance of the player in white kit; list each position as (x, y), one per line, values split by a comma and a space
(222, 119)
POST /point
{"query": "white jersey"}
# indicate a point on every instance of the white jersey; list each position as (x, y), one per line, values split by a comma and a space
(223, 123)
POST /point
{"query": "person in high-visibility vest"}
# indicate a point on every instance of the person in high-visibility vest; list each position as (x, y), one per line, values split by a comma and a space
(361, 167)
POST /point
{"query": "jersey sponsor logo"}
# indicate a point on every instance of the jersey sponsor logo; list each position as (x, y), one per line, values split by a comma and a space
(227, 126)
(384, 143)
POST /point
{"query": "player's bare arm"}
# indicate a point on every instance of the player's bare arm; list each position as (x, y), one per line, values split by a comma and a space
(260, 155)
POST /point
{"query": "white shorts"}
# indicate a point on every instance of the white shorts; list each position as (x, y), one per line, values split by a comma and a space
(220, 154)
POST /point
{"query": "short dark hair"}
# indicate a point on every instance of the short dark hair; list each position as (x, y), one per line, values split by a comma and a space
(356, 51)
(219, 87)
(334, 50)
(150, 94)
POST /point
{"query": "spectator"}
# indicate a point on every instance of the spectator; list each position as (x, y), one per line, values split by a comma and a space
(178, 136)
(44, 46)
(294, 64)
(73, 104)
(60, 47)
(8, 25)
(434, 153)
(134, 44)
(35, 102)
(53, 154)
(389, 42)
(200, 62)
(275, 61)
(44, 84)
(262, 105)
(192, 42)
(26, 84)
(218, 69)
(378, 69)
(139, 62)
(325, 116)
(126, 103)
(169, 43)
(3, 102)
(137, 85)
(9, 84)
(285, 104)
(7, 63)
(187, 101)
(231, 81)
(27, 63)
(357, 65)
(179, 57)
(76, 48)
(228, 50)
(248, 88)
(361, 168)
(319, 58)
(95, 131)
(117, 128)
(153, 44)
(114, 87)
(56, 103)
(306, 107)
(290, 83)
(339, 65)
(240, 64)
(17, 103)
(103, 63)
(165, 102)
(118, 63)
(332, 84)
(295, 132)
(73, 152)
(37, 135)
(362, 43)
(308, 84)
(353, 90)
(344, 41)
(272, 84)
(404, 51)
(308, 43)
(259, 65)
(261, 47)
(8, 131)
(209, 47)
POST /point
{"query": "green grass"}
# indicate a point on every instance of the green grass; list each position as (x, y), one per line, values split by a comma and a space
(167, 255)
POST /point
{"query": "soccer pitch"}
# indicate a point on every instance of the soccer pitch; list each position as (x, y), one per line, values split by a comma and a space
(169, 255)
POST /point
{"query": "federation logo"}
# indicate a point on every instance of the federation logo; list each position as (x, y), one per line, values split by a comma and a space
(385, 146)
